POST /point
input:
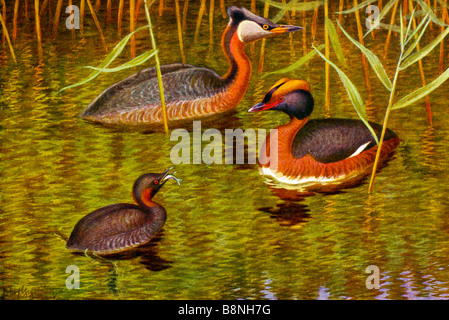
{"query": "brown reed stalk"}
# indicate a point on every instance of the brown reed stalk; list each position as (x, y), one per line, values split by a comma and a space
(421, 71)
(119, 18)
(161, 7)
(4, 14)
(340, 15)
(211, 21)
(5, 32)
(304, 32)
(26, 9)
(132, 7)
(136, 16)
(97, 24)
(314, 22)
(393, 17)
(72, 31)
(38, 27)
(43, 7)
(97, 5)
(362, 42)
(327, 103)
(223, 9)
(290, 35)
(56, 18)
(442, 41)
(82, 9)
(178, 23)
(198, 21)
(14, 22)
(185, 10)
(108, 11)
(266, 10)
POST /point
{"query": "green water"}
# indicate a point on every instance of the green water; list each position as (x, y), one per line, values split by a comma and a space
(228, 234)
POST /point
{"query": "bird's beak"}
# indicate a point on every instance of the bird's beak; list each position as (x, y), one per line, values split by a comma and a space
(170, 176)
(262, 106)
(285, 29)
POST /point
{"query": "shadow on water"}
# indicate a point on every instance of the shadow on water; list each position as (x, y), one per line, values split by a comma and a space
(148, 255)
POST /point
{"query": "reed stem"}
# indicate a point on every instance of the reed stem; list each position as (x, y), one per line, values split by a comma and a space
(132, 7)
(327, 53)
(5, 32)
(178, 22)
(211, 21)
(56, 18)
(393, 17)
(421, 71)
(97, 23)
(38, 27)
(119, 18)
(362, 42)
(14, 24)
(198, 21)
(266, 10)
(158, 69)
(385, 123)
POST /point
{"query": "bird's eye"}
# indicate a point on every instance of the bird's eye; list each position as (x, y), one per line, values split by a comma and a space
(265, 26)
(156, 181)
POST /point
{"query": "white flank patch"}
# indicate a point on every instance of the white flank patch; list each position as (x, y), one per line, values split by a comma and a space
(360, 149)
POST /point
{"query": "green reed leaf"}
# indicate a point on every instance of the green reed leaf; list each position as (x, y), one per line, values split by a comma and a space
(294, 6)
(386, 8)
(432, 15)
(107, 61)
(415, 43)
(421, 92)
(297, 64)
(372, 59)
(424, 51)
(357, 7)
(129, 64)
(353, 94)
(335, 41)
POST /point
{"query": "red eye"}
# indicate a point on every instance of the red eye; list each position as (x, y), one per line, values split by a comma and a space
(156, 181)
(281, 99)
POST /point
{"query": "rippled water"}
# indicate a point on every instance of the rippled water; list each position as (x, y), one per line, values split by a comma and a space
(228, 234)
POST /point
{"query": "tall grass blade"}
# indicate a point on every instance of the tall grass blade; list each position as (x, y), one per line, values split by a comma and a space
(415, 43)
(372, 59)
(5, 30)
(432, 15)
(422, 24)
(424, 51)
(144, 57)
(421, 92)
(353, 94)
(294, 6)
(107, 61)
(382, 14)
(357, 7)
(335, 41)
(297, 64)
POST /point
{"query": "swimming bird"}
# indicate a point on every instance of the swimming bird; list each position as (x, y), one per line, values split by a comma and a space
(120, 227)
(317, 151)
(190, 91)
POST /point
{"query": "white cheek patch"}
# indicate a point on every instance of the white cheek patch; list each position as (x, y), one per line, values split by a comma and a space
(249, 31)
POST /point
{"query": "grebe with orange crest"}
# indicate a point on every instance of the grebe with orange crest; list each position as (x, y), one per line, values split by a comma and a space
(190, 92)
(120, 227)
(317, 151)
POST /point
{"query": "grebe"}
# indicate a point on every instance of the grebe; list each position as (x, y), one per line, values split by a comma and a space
(317, 151)
(190, 91)
(119, 227)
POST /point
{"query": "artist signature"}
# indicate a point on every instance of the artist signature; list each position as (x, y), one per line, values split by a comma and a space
(23, 292)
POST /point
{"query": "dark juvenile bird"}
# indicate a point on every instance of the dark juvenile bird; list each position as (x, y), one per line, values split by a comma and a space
(319, 150)
(119, 227)
(190, 91)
